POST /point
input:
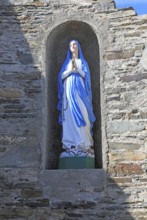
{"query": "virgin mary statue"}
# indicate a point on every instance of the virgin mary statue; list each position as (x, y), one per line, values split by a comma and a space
(75, 103)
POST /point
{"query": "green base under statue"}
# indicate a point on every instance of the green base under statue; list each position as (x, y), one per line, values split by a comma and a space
(76, 162)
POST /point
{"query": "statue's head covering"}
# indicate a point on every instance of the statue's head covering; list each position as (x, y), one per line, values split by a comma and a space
(87, 81)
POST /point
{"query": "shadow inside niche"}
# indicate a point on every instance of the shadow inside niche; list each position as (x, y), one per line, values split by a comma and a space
(20, 93)
(93, 192)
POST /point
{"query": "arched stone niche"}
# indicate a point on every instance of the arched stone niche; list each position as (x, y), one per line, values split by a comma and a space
(56, 49)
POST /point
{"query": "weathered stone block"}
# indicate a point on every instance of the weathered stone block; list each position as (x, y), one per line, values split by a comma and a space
(31, 193)
(45, 214)
(123, 146)
(9, 101)
(135, 78)
(43, 202)
(10, 93)
(113, 98)
(104, 5)
(123, 13)
(139, 46)
(15, 212)
(22, 76)
(144, 58)
(133, 34)
(125, 169)
(115, 90)
(143, 27)
(13, 108)
(124, 126)
(139, 97)
(120, 156)
(25, 156)
(115, 55)
(120, 180)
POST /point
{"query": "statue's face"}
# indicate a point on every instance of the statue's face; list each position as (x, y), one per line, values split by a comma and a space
(74, 47)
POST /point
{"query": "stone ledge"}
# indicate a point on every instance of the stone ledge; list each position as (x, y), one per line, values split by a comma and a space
(92, 175)
(67, 185)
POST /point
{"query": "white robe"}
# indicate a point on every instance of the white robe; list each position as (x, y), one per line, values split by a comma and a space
(79, 137)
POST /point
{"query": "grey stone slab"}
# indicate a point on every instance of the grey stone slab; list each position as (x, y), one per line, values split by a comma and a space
(123, 145)
(124, 126)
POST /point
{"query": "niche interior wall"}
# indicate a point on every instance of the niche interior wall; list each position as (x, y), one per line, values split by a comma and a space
(56, 49)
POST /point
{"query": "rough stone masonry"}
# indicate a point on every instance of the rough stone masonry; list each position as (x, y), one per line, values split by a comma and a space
(30, 191)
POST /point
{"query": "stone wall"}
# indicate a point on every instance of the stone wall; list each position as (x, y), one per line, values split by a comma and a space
(28, 192)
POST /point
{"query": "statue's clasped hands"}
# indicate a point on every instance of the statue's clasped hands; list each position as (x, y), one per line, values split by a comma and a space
(75, 69)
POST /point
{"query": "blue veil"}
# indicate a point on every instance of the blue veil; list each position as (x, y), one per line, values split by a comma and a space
(85, 94)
